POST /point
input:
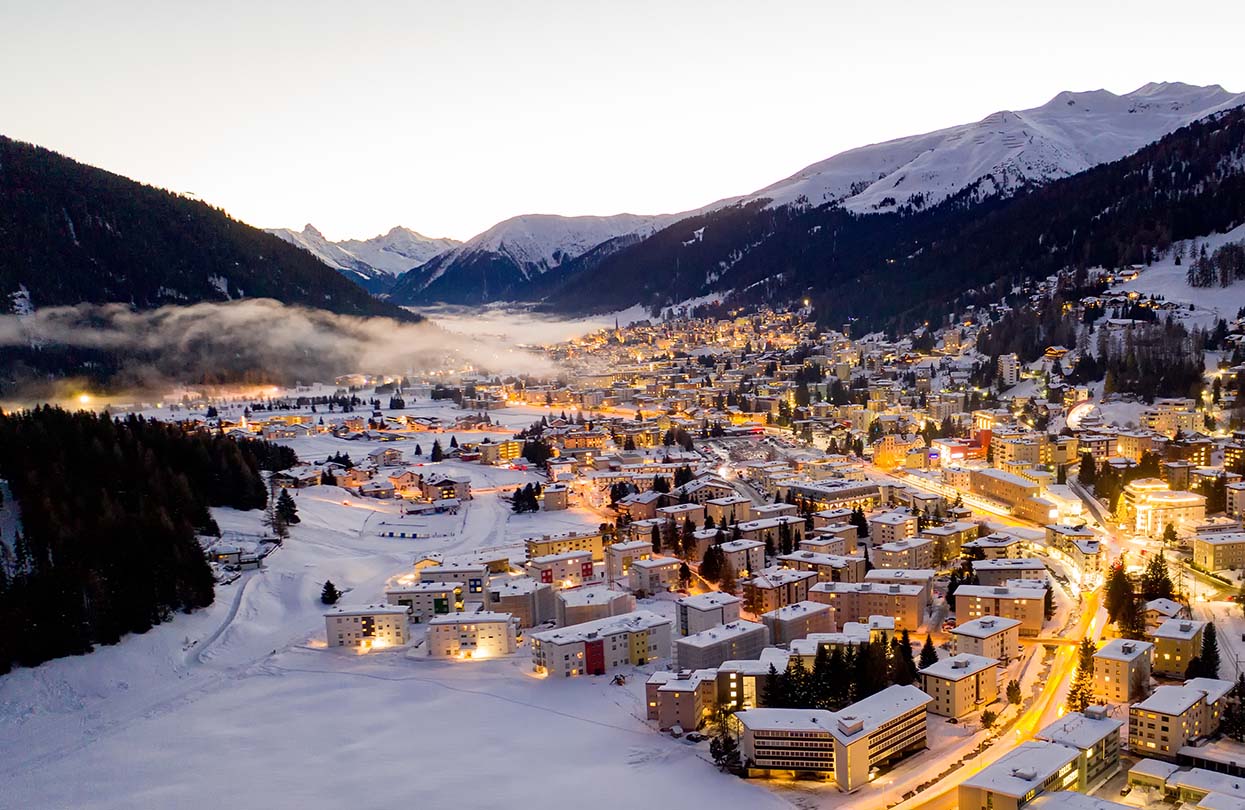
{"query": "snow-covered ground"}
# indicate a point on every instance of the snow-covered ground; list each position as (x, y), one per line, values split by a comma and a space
(242, 705)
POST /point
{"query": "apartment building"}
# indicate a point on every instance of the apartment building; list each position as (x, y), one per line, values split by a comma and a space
(685, 698)
(828, 567)
(996, 546)
(655, 574)
(840, 746)
(472, 635)
(706, 610)
(1122, 670)
(474, 578)
(528, 601)
(949, 539)
(567, 569)
(727, 642)
(773, 588)
(1026, 605)
(989, 636)
(798, 621)
(960, 684)
(890, 527)
(594, 648)
(1020, 775)
(547, 544)
(732, 509)
(906, 603)
(619, 556)
(916, 552)
(1176, 643)
(822, 543)
(423, 600)
(1095, 735)
(743, 557)
(1173, 716)
(1000, 571)
(1219, 551)
(589, 603)
(367, 627)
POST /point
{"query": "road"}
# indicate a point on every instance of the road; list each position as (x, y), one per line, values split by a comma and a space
(1047, 707)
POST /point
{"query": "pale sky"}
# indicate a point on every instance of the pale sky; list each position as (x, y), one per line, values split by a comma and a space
(447, 117)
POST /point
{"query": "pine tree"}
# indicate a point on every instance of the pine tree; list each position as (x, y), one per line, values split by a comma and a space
(655, 538)
(438, 454)
(929, 655)
(1210, 652)
(1081, 693)
(1013, 692)
(286, 509)
(1119, 591)
(1132, 621)
(1156, 581)
(329, 595)
(905, 668)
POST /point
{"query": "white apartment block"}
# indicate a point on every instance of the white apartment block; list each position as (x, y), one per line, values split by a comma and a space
(423, 600)
(843, 746)
(367, 627)
(856, 601)
(568, 569)
(655, 575)
(706, 610)
(1026, 605)
(472, 635)
(619, 556)
(916, 552)
(990, 636)
(961, 683)
(998, 572)
(738, 640)
(890, 527)
(798, 621)
(1122, 670)
(589, 603)
(594, 648)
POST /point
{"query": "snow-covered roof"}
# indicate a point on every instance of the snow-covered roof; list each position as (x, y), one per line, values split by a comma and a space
(1082, 730)
(1178, 629)
(1010, 563)
(959, 667)
(1169, 699)
(723, 632)
(595, 595)
(859, 719)
(424, 587)
(796, 610)
(1122, 649)
(561, 556)
(985, 627)
(995, 592)
(902, 575)
(709, 601)
(635, 621)
(1024, 768)
(366, 610)
(483, 617)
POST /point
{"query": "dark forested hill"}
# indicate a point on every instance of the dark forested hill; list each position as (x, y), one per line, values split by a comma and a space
(71, 233)
(109, 511)
(906, 267)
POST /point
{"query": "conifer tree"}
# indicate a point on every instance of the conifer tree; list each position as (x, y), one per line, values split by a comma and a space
(438, 454)
(329, 594)
(929, 655)
(1081, 693)
(286, 509)
(1209, 656)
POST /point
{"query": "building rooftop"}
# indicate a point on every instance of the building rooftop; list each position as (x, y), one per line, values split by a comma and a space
(723, 632)
(710, 600)
(628, 622)
(591, 595)
(423, 587)
(959, 667)
(483, 617)
(1178, 629)
(1122, 649)
(1082, 729)
(860, 718)
(1169, 699)
(797, 610)
(366, 610)
(1010, 564)
(985, 627)
(1024, 768)
(549, 559)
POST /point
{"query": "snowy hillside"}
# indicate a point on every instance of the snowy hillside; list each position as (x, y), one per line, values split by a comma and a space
(1069, 134)
(390, 253)
(538, 242)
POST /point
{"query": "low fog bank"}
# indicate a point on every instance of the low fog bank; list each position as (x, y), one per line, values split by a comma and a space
(258, 340)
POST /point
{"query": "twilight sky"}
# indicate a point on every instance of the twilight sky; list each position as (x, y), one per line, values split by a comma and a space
(449, 116)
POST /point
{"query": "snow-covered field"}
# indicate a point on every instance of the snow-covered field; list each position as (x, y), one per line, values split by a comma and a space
(241, 705)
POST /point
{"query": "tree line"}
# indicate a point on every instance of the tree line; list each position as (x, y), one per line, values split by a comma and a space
(109, 512)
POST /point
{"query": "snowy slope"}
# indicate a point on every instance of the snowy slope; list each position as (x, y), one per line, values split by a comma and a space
(1069, 134)
(393, 253)
(539, 242)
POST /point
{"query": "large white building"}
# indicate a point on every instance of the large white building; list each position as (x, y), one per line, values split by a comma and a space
(705, 610)
(961, 684)
(594, 648)
(843, 746)
(367, 627)
(991, 636)
(472, 635)
(424, 600)
(727, 642)
(1122, 670)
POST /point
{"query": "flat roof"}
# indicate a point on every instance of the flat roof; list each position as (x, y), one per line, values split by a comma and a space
(1170, 699)
(1178, 629)
(709, 601)
(366, 610)
(985, 627)
(1122, 649)
(1005, 563)
(1080, 729)
(483, 617)
(797, 610)
(723, 632)
(1023, 768)
(959, 667)
(634, 621)
(424, 587)
(591, 595)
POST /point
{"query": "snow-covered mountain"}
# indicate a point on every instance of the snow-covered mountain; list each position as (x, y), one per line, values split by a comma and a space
(499, 261)
(1003, 151)
(371, 262)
